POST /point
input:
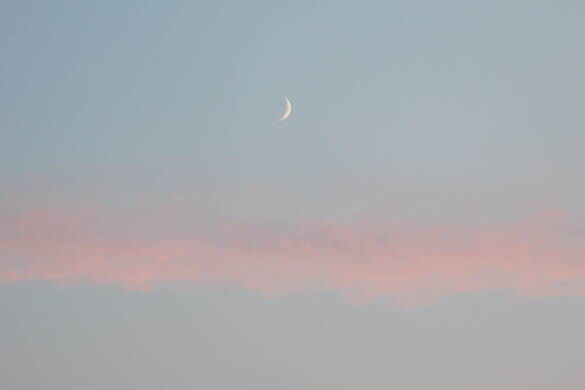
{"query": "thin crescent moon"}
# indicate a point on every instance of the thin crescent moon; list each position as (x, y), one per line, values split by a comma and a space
(287, 111)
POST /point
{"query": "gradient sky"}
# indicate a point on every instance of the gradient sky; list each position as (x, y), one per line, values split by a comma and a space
(417, 222)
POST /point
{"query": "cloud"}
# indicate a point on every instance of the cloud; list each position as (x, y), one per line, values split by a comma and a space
(408, 262)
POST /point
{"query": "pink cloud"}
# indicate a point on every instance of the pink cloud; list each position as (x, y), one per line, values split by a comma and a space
(409, 263)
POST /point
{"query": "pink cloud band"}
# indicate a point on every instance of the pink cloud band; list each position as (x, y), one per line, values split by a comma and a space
(538, 256)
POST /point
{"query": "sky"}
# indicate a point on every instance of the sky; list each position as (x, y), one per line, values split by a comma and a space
(417, 221)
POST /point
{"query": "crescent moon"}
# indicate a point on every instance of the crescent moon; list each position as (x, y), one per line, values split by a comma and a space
(287, 111)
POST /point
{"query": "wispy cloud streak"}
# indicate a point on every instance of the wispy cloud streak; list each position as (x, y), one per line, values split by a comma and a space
(408, 263)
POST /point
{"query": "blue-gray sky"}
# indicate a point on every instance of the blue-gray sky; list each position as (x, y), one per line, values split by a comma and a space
(414, 223)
